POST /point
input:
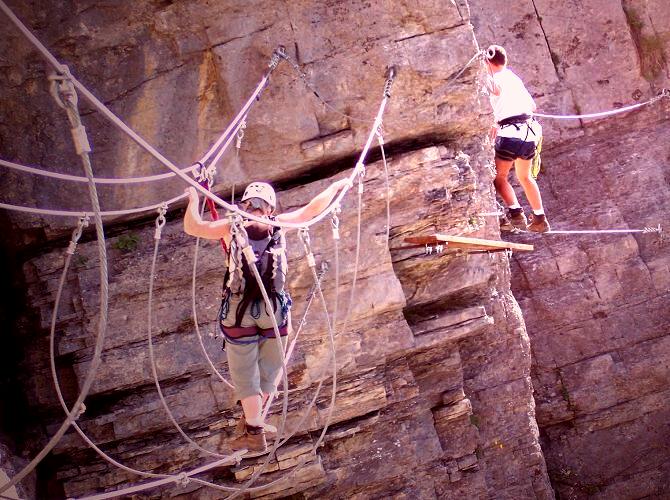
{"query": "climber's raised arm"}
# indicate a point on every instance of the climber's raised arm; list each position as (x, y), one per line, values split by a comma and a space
(317, 205)
(195, 226)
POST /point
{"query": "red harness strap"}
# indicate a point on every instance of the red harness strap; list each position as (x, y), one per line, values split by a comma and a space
(212, 210)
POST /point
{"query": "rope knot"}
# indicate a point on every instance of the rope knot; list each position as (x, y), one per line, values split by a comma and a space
(664, 93)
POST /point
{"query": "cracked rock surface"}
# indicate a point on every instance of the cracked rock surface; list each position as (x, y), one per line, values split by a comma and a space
(440, 369)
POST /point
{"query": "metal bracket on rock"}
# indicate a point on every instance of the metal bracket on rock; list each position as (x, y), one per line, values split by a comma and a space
(438, 249)
(389, 81)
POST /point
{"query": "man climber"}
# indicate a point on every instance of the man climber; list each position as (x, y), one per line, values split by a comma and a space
(517, 135)
(254, 360)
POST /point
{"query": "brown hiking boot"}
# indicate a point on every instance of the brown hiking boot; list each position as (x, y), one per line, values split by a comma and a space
(505, 224)
(538, 223)
(270, 430)
(253, 439)
(517, 218)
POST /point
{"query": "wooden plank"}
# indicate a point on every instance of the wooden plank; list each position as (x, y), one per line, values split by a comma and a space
(467, 243)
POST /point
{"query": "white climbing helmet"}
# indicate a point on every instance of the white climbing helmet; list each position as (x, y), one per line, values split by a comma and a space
(261, 190)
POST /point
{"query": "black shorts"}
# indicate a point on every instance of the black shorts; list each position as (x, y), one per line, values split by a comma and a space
(510, 148)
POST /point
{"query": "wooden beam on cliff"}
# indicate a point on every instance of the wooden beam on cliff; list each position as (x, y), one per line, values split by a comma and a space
(468, 244)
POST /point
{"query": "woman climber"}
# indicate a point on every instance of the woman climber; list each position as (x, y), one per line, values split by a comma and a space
(517, 135)
(254, 361)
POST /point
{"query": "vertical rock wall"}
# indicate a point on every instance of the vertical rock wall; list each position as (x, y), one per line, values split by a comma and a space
(433, 396)
(434, 392)
(596, 306)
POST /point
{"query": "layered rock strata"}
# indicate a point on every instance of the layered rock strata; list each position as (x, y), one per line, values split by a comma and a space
(596, 305)
(433, 391)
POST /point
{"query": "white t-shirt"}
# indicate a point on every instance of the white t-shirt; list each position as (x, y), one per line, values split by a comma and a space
(514, 100)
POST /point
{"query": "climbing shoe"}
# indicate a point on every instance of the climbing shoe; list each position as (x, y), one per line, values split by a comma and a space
(538, 223)
(270, 430)
(517, 218)
(253, 439)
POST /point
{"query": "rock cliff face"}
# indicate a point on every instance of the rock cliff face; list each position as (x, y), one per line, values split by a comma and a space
(435, 382)
(596, 305)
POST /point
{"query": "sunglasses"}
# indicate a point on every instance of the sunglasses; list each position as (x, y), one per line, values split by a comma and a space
(256, 203)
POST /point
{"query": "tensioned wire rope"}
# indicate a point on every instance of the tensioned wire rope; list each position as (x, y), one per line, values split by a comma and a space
(67, 99)
(359, 165)
(181, 478)
(165, 478)
(223, 488)
(336, 235)
(64, 70)
(663, 93)
(280, 441)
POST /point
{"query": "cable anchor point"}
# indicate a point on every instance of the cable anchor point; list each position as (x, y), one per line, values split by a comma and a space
(278, 54)
(656, 229)
(304, 237)
(390, 76)
(76, 234)
(62, 89)
(160, 220)
(335, 222)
